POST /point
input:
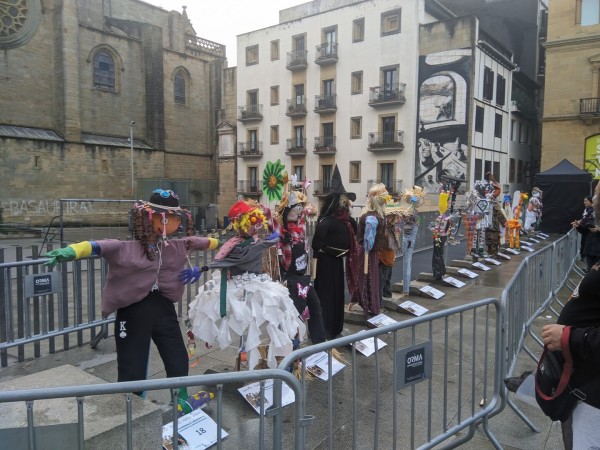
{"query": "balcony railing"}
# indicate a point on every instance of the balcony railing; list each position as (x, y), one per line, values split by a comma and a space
(325, 145)
(388, 94)
(394, 187)
(296, 146)
(325, 103)
(589, 106)
(249, 187)
(250, 113)
(251, 149)
(321, 187)
(386, 141)
(327, 53)
(297, 60)
(296, 107)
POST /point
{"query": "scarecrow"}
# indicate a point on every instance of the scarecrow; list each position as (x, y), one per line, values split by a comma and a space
(409, 223)
(335, 239)
(533, 215)
(142, 285)
(498, 219)
(240, 300)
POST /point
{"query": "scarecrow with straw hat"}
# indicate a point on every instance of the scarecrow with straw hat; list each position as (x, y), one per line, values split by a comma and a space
(335, 239)
(387, 255)
(293, 260)
(240, 300)
(142, 285)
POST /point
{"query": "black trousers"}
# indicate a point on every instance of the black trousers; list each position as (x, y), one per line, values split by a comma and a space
(152, 318)
(308, 298)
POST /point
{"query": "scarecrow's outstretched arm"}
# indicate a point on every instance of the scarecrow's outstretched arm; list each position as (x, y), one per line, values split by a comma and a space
(72, 252)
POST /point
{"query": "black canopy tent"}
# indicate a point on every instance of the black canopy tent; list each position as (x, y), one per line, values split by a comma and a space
(563, 187)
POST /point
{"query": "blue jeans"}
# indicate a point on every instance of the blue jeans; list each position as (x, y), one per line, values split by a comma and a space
(409, 240)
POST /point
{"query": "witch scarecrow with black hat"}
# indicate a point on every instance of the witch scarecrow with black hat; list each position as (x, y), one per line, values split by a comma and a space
(142, 285)
(334, 239)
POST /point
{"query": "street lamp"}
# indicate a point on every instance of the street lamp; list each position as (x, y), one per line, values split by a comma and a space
(131, 124)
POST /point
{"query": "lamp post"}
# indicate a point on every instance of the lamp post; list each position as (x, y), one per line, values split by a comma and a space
(131, 124)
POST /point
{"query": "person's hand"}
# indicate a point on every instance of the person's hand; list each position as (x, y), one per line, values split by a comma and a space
(272, 236)
(60, 255)
(551, 335)
(188, 276)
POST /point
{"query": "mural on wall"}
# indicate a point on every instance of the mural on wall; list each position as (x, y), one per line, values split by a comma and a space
(443, 112)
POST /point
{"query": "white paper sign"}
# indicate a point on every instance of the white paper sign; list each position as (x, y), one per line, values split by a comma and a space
(454, 282)
(251, 393)
(381, 320)
(512, 250)
(502, 255)
(493, 261)
(432, 292)
(534, 240)
(468, 273)
(543, 235)
(367, 346)
(413, 308)
(318, 365)
(196, 431)
(527, 249)
(481, 266)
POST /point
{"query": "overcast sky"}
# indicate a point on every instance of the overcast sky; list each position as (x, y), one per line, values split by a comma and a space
(222, 20)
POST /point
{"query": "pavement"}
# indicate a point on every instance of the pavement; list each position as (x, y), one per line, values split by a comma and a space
(240, 421)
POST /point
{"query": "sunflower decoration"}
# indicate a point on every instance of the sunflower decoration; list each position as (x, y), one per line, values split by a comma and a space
(274, 178)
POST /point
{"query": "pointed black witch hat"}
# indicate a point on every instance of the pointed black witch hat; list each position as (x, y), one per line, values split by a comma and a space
(337, 187)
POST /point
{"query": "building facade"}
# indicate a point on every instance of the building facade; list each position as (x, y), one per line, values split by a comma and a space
(571, 122)
(79, 78)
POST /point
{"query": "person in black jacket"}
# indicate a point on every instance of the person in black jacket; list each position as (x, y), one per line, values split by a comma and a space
(584, 224)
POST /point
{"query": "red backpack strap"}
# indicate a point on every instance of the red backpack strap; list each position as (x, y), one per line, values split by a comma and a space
(567, 366)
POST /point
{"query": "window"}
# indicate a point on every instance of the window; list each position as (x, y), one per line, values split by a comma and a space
(389, 76)
(326, 176)
(589, 13)
(511, 170)
(386, 171)
(500, 90)
(298, 43)
(478, 173)
(358, 30)
(299, 172)
(355, 127)
(252, 140)
(354, 171)
(253, 179)
(179, 88)
(498, 126)
(488, 83)
(390, 22)
(252, 97)
(299, 136)
(104, 70)
(328, 138)
(356, 82)
(252, 55)
(479, 114)
(275, 50)
(388, 127)
(274, 95)
(496, 169)
(328, 87)
(329, 42)
(513, 127)
(520, 171)
(275, 134)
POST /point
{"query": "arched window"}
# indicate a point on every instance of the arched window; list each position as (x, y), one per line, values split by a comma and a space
(104, 70)
(179, 88)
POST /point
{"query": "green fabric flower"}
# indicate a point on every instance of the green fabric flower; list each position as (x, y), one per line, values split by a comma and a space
(273, 180)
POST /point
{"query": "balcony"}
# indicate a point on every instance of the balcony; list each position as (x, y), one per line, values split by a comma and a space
(250, 113)
(387, 95)
(327, 53)
(296, 147)
(589, 107)
(394, 187)
(321, 187)
(386, 141)
(325, 145)
(325, 104)
(249, 188)
(297, 60)
(296, 107)
(250, 150)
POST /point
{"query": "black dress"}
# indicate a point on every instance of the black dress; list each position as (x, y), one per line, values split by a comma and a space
(330, 244)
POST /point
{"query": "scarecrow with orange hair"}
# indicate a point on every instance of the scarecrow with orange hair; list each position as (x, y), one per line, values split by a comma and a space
(240, 300)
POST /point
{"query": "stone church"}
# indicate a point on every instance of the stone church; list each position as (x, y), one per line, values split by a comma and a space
(80, 78)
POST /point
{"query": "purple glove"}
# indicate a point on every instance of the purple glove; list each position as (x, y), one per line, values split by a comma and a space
(188, 276)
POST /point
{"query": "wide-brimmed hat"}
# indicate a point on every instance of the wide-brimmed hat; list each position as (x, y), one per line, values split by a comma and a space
(162, 201)
(242, 207)
(337, 187)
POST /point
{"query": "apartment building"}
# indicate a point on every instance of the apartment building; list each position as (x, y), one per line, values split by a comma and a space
(571, 122)
(401, 93)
